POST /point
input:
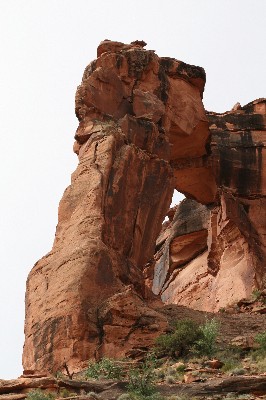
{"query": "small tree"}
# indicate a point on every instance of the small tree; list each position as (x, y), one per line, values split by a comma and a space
(181, 340)
(142, 379)
(106, 368)
(39, 394)
(206, 344)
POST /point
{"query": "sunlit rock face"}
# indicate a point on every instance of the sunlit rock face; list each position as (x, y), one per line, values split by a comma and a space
(211, 256)
(142, 132)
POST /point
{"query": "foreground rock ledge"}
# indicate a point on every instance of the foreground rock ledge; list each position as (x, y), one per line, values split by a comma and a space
(17, 389)
(141, 121)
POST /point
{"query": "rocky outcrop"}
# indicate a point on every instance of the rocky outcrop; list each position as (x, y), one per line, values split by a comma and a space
(142, 132)
(237, 329)
(238, 149)
(211, 256)
(183, 240)
(141, 121)
(213, 383)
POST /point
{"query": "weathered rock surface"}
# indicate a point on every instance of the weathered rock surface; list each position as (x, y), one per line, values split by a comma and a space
(142, 132)
(140, 117)
(185, 238)
(18, 389)
(233, 329)
(238, 149)
(218, 257)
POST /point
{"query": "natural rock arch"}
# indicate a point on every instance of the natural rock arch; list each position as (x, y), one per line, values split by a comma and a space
(142, 131)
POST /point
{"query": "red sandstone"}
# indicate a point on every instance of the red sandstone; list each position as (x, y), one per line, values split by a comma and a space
(142, 132)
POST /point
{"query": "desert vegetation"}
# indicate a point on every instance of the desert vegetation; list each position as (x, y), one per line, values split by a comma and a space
(189, 353)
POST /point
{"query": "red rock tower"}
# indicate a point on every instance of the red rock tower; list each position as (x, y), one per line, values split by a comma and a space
(142, 132)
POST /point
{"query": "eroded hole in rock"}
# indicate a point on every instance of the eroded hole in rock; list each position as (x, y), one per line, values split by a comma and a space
(176, 199)
(181, 250)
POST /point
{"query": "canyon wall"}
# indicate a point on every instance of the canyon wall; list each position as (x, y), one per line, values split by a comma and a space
(211, 256)
(142, 132)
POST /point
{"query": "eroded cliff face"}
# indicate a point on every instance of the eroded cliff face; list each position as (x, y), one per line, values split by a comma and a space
(141, 123)
(211, 256)
(142, 132)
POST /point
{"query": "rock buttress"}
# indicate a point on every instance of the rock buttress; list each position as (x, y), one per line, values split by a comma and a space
(212, 256)
(137, 114)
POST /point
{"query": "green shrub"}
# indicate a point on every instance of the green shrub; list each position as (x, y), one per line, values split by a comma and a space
(142, 380)
(105, 368)
(261, 365)
(181, 368)
(170, 379)
(181, 397)
(260, 338)
(180, 341)
(160, 374)
(238, 371)
(124, 396)
(93, 395)
(154, 396)
(206, 344)
(38, 394)
(230, 352)
(230, 365)
(256, 294)
(64, 392)
(171, 371)
(59, 375)
(259, 354)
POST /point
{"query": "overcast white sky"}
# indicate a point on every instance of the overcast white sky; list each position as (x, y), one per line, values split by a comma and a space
(45, 46)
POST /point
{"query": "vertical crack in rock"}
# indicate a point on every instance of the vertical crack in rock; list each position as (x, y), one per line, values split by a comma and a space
(100, 335)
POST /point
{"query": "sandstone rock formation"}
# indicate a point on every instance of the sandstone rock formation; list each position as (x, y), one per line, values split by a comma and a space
(142, 131)
(211, 256)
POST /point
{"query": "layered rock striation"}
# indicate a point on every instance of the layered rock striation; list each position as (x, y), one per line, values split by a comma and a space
(141, 122)
(211, 256)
